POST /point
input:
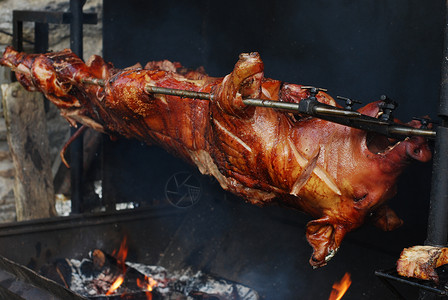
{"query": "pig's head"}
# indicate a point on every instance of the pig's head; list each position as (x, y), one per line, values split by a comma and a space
(365, 187)
(391, 155)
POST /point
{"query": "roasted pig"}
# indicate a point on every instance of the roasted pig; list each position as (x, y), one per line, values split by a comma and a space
(337, 174)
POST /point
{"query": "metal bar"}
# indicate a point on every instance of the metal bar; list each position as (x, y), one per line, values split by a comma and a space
(391, 287)
(443, 100)
(40, 37)
(384, 274)
(179, 93)
(76, 148)
(41, 46)
(344, 117)
(17, 35)
(437, 232)
(438, 212)
(76, 37)
(312, 108)
(87, 18)
(94, 81)
(17, 39)
(86, 220)
(410, 131)
(307, 106)
(296, 107)
(336, 112)
(52, 17)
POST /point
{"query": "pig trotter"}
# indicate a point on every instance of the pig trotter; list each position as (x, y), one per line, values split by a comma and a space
(325, 238)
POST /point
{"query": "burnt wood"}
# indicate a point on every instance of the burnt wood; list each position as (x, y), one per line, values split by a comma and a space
(19, 282)
(28, 142)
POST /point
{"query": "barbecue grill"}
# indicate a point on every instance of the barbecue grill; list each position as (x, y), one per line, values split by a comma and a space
(260, 247)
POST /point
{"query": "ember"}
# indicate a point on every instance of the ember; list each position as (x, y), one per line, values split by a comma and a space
(106, 276)
(115, 285)
(147, 285)
(339, 288)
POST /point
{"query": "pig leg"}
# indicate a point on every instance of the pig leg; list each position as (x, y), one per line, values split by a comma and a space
(386, 219)
(325, 237)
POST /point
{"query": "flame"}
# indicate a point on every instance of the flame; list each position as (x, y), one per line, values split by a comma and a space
(120, 256)
(122, 253)
(339, 288)
(147, 285)
(115, 285)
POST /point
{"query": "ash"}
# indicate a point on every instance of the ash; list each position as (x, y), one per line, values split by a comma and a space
(184, 282)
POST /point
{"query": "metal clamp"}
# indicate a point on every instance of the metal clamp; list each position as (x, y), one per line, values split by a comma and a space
(348, 102)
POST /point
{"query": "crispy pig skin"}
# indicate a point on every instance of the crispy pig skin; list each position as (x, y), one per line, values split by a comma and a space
(421, 261)
(339, 175)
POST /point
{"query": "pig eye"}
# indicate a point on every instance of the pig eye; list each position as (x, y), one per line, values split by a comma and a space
(357, 199)
(248, 81)
(417, 151)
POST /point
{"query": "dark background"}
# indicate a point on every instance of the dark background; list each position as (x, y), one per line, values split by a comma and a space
(357, 49)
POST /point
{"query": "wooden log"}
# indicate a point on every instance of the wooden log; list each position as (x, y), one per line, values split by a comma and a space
(28, 142)
(108, 264)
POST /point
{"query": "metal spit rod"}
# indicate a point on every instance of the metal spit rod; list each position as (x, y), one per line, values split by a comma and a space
(331, 111)
(77, 146)
(309, 106)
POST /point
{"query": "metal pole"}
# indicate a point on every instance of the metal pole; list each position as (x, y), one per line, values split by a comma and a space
(437, 233)
(76, 148)
(40, 37)
(438, 211)
(17, 38)
(76, 27)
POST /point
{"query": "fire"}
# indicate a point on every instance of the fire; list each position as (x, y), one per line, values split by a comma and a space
(339, 288)
(122, 253)
(121, 259)
(115, 285)
(147, 285)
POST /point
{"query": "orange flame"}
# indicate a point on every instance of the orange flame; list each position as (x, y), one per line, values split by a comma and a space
(122, 253)
(121, 259)
(115, 285)
(147, 285)
(339, 288)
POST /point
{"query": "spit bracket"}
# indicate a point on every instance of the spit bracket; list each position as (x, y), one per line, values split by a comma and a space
(386, 276)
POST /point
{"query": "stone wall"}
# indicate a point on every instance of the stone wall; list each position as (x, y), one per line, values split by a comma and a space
(58, 129)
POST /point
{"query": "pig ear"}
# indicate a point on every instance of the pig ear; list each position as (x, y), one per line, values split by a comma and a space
(243, 82)
(325, 239)
(386, 219)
